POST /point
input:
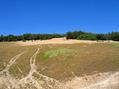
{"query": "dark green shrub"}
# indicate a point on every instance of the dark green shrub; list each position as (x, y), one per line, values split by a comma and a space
(73, 35)
(87, 37)
(115, 36)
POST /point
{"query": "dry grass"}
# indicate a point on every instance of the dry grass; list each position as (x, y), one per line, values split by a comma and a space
(84, 59)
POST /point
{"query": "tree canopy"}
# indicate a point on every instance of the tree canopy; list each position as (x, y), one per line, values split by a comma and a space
(80, 35)
(29, 36)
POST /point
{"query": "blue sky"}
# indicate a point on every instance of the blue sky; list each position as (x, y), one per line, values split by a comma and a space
(58, 16)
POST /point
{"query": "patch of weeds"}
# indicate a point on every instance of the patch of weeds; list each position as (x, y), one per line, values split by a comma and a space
(55, 53)
(115, 44)
(116, 62)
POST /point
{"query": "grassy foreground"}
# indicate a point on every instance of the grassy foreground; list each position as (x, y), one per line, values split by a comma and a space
(59, 61)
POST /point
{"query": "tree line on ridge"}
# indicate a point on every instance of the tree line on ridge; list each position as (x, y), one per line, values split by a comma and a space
(79, 35)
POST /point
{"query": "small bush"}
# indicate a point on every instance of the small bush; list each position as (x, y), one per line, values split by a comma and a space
(87, 37)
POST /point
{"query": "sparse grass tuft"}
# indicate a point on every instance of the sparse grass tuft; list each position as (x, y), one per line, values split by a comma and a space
(115, 44)
(55, 52)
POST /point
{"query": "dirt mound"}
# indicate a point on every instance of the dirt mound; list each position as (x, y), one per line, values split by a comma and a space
(54, 41)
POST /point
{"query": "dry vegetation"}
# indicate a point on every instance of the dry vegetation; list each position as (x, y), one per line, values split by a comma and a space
(58, 66)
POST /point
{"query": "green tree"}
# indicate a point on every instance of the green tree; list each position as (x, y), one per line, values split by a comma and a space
(115, 36)
(87, 37)
(74, 35)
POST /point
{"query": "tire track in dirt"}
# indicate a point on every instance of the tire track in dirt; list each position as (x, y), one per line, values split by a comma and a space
(43, 80)
(6, 79)
(11, 62)
(36, 80)
(97, 81)
(30, 81)
(29, 78)
(106, 83)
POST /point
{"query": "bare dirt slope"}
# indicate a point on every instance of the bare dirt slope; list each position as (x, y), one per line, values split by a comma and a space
(60, 41)
(53, 41)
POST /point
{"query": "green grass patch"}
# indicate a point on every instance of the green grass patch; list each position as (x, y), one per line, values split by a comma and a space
(115, 44)
(56, 52)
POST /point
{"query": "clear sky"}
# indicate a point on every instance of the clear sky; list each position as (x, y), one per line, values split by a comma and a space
(58, 16)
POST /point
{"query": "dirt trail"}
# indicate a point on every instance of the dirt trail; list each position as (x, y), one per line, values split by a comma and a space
(96, 81)
(38, 83)
(6, 79)
(108, 82)
(35, 80)
(11, 62)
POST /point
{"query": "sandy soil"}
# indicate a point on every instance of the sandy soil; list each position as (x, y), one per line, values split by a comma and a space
(60, 41)
(96, 81)
(53, 41)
